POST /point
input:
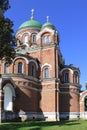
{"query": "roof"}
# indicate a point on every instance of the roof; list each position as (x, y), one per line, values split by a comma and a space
(31, 23)
(48, 24)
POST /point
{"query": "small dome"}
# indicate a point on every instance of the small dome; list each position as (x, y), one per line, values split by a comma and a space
(48, 24)
(31, 23)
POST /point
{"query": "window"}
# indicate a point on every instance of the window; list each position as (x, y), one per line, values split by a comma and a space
(46, 73)
(32, 70)
(75, 78)
(66, 77)
(6, 67)
(18, 42)
(26, 39)
(20, 67)
(46, 39)
(34, 38)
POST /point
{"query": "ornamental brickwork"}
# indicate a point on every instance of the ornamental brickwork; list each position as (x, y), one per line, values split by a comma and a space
(38, 84)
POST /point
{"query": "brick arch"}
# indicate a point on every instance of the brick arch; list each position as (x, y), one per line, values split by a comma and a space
(46, 64)
(66, 69)
(76, 73)
(44, 31)
(83, 95)
(24, 61)
(12, 88)
(32, 68)
(9, 95)
(34, 63)
(20, 57)
(70, 75)
(23, 36)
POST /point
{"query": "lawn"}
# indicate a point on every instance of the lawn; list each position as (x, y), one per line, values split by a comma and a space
(63, 125)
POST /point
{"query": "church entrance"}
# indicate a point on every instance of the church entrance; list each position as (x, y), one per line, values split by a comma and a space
(9, 92)
(7, 99)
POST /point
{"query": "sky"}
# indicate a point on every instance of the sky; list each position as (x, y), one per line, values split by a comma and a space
(69, 18)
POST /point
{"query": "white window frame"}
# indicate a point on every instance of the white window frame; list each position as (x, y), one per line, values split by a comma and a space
(76, 78)
(26, 39)
(46, 72)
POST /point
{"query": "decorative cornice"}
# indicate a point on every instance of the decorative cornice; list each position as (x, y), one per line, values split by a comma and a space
(64, 85)
(36, 48)
(20, 76)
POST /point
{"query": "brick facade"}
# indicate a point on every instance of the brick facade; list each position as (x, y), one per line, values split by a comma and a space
(38, 82)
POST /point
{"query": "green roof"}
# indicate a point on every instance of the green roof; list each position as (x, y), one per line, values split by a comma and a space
(48, 24)
(30, 23)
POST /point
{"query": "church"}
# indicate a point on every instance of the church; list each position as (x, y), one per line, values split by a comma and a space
(38, 85)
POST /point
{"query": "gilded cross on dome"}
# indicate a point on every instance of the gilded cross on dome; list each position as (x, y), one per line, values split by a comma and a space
(32, 14)
(47, 18)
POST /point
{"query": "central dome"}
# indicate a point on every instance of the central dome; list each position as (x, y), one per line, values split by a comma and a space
(31, 23)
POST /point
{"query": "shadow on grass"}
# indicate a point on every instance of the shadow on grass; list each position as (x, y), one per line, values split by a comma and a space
(35, 129)
(38, 124)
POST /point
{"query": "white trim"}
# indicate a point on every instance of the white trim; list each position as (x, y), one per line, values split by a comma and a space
(12, 88)
(0, 80)
(49, 116)
(45, 30)
(46, 64)
(70, 115)
(19, 34)
(27, 61)
(83, 92)
(76, 71)
(82, 100)
(66, 69)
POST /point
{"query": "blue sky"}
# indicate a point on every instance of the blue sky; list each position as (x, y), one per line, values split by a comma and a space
(70, 19)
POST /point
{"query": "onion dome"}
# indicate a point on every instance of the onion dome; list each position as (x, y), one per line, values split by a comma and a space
(48, 24)
(31, 23)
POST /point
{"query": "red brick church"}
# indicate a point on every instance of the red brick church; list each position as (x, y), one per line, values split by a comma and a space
(38, 85)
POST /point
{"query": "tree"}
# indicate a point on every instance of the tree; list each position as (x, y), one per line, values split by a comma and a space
(86, 86)
(6, 33)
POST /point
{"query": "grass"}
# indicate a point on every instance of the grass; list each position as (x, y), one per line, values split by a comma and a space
(38, 125)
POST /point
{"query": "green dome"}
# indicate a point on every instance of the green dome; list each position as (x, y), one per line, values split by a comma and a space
(30, 23)
(48, 24)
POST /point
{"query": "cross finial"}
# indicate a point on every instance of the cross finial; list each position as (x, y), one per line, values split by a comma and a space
(32, 14)
(47, 18)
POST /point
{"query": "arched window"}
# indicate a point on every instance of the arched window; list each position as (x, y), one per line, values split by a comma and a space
(33, 70)
(46, 39)
(20, 67)
(6, 67)
(26, 39)
(66, 77)
(76, 78)
(46, 73)
(34, 38)
(7, 98)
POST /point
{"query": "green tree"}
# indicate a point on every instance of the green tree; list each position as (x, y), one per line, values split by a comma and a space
(86, 86)
(6, 33)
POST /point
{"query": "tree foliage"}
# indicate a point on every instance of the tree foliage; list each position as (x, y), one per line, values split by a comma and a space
(6, 33)
(4, 5)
